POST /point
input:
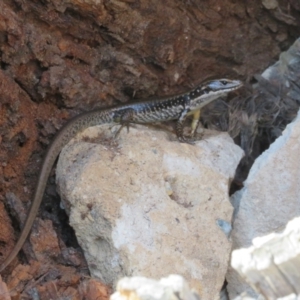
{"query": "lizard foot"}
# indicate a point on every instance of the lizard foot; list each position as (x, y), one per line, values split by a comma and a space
(187, 139)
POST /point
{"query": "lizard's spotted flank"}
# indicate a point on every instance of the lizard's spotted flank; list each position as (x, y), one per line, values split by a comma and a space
(160, 110)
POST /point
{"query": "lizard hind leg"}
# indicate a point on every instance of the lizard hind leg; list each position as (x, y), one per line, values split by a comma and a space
(125, 120)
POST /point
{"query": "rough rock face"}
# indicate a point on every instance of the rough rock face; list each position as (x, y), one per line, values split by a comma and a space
(150, 206)
(172, 287)
(59, 57)
(270, 197)
(272, 265)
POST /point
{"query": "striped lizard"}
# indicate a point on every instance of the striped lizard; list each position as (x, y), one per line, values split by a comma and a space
(159, 110)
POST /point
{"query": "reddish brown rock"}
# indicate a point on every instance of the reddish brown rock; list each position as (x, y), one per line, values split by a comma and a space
(93, 289)
(4, 294)
(61, 57)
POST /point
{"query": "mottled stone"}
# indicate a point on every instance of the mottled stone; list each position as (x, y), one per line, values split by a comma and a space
(148, 205)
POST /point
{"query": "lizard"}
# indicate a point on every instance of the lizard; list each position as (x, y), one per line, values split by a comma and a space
(148, 111)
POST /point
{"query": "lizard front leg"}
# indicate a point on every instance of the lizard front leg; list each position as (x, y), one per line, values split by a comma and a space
(195, 122)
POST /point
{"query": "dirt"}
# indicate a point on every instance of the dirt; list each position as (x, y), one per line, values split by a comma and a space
(59, 58)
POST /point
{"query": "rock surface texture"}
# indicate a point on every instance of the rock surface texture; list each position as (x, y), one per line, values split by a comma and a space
(272, 264)
(270, 197)
(173, 287)
(148, 205)
(62, 57)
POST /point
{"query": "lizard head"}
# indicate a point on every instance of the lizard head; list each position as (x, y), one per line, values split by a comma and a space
(221, 85)
(211, 90)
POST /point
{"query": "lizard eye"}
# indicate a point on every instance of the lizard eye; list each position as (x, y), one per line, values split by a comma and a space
(224, 82)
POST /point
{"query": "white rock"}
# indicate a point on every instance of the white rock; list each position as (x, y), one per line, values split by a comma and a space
(270, 197)
(148, 205)
(173, 287)
(272, 264)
